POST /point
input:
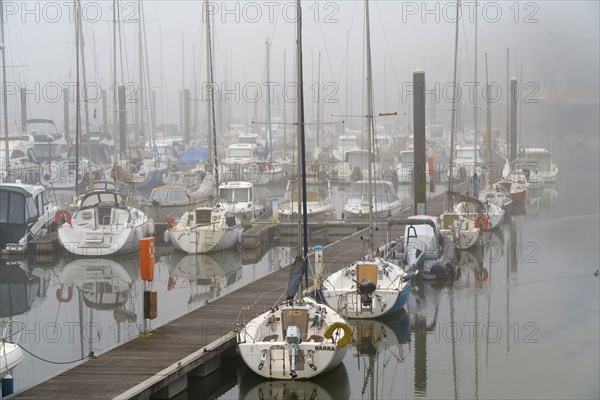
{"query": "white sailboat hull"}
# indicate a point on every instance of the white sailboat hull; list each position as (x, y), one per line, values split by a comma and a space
(392, 288)
(104, 240)
(263, 346)
(204, 239)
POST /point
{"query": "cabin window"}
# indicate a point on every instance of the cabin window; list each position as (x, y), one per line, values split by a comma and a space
(16, 209)
(4, 209)
(159, 196)
(177, 196)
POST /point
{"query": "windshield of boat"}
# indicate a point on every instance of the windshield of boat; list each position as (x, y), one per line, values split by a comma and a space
(346, 142)
(407, 157)
(16, 208)
(464, 153)
(239, 153)
(41, 127)
(231, 195)
(544, 160)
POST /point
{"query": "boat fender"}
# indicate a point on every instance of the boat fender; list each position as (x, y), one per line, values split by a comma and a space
(481, 275)
(481, 221)
(347, 333)
(151, 227)
(59, 295)
(167, 237)
(62, 216)
(170, 221)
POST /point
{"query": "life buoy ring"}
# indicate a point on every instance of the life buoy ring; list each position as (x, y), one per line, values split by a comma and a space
(481, 275)
(170, 221)
(481, 221)
(347, 333)
(59, 295)
(58, 217)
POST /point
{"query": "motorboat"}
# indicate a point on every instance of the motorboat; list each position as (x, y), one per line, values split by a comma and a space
(239, 199)
(25, 214)
(547, 165)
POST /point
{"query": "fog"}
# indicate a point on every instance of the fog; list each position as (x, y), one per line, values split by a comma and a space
(550, 44)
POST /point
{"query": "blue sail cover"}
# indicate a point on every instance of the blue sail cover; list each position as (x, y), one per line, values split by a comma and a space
(193, 155)
(295, 277)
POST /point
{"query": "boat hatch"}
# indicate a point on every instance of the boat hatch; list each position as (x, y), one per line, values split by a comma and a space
(366, 272)
(203, 217)
(295, 317)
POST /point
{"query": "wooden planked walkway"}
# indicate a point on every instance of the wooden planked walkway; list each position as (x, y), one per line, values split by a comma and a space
(143, 366)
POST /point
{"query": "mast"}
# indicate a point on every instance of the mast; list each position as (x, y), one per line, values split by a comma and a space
(369, 119)
(453, 123)
(211, 99)
(302, 144)
(269, 132)
(115, 83)
(141, 57)
(78, 97)
(475, 111)
(4, 95)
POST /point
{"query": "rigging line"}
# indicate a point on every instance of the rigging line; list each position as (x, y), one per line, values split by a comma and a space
(90, 355)
(467, 51)
(387, 44)
(330, 66)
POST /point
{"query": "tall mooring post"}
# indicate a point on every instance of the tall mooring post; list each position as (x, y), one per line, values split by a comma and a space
(420, 157)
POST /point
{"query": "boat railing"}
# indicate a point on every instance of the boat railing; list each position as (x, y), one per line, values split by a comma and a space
(241, 329)
(12, 331)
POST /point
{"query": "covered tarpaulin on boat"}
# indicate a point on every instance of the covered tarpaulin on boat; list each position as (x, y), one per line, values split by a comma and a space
(295, 277)
(193, 155)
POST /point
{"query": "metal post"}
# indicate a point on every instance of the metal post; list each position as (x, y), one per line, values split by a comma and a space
(420, 156)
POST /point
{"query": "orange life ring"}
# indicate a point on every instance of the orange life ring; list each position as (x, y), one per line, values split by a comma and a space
(481, 221)
(59, 295)
(481, 275)
(170, 221)
(59, 214)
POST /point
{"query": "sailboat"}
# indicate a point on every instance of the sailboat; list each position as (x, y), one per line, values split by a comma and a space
(318, 203)
(372, 286)
(206, 229)
(456, 227)
(103, 223)
(299, 338)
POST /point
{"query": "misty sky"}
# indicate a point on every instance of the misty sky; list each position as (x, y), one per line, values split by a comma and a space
(549, 39)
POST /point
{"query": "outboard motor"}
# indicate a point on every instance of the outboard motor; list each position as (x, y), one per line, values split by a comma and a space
(366, 289)
(293, 339)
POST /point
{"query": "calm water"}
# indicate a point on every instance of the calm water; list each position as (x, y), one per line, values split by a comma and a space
(520, 319)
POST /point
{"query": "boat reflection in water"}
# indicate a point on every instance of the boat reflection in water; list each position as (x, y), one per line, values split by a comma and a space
(103, 284)
(332, 385)
(375, 343)
(18, 288)
(206, 275)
